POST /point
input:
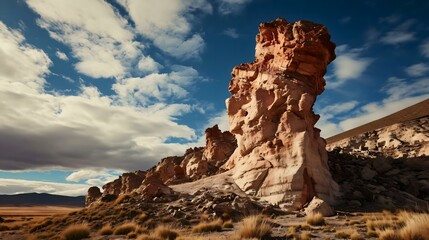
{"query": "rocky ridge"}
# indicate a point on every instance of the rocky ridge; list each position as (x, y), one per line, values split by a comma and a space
(196, 163)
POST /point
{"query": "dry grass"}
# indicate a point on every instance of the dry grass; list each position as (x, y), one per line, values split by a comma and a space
(291, 231)
(147, 237)
(76, 232)
(315, 219)
(213, 226)
(389, 234)
(228, 224)
(125, 228)
(254, 227)
(416, 227)
(345, 233)
(106, 230)
(165, 232)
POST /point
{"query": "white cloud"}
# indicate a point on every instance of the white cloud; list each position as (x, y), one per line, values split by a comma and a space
(169, 24)
(424, 48)
(61, 55)
(15, 186)
(328, 113)
(231, 32)
(43, 130)
(148, 65)
(21, 63)
(400, 34)
(417, 70)
(98, 36)
(348, 65)
(156, 87)
(231, 6)
(400, 94)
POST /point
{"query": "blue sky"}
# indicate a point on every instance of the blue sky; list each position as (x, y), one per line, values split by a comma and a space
(90, 89)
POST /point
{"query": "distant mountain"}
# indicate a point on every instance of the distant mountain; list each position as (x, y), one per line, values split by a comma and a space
(41, 199)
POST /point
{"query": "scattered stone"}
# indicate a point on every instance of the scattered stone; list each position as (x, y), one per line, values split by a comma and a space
(317, 205)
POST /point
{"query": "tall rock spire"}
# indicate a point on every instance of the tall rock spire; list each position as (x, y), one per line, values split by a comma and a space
(280, 155)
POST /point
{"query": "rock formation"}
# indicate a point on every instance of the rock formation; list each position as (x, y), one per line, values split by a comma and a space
(280, 156)
(195, 164)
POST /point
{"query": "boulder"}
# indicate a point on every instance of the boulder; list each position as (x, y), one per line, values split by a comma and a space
(280, 156)
(93, 195)
(317, 205)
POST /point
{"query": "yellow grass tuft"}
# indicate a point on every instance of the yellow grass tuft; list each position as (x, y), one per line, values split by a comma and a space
(315, 219)
(416, 227)
(106, 230)
(228, 224)
(213, 226)
(165, 232)
(389, 234)
(254, 227)
(147, 237)
(125, 228)
(76, 232)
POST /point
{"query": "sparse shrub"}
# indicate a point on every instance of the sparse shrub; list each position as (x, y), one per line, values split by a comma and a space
(304, 236)
(106, 230)
(213, 226)
(142, 217)
(372, 234)
(254, 227)
(165, 232)
(305, 227)
(76, 232)
(389, 234)
(228, 224)
(125, 228)
(356, 236)
(315, 219)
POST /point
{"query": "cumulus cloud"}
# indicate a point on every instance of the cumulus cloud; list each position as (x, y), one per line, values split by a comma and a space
(98, 36)
(16, 186)
(148, 65)
(21, 63)
(42, 130)
(417, 70)
(348, 65)
(169, 24)
(61, 55)
(400, 34)
(231, 6)
(400, 94)
(93, 177)
(231, 32)
(424, 48)
(157, 87)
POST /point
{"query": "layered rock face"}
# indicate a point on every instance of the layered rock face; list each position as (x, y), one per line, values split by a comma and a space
(280, 155)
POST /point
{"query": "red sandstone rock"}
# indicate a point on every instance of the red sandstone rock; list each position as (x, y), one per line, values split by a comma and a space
(125, 183)
(219, 146)
(280, 155)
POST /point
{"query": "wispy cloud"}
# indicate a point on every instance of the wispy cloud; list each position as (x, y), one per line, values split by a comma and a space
(347, 66)
(400, 34)
(417, 70)
(231, 6)
(424, 48)
(231, 32)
